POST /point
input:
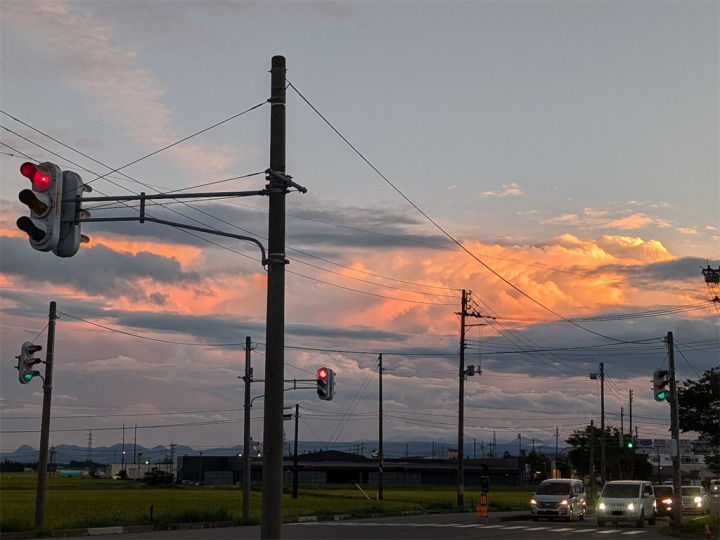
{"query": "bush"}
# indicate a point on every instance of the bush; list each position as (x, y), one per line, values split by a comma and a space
(156, 477)
(694, 526)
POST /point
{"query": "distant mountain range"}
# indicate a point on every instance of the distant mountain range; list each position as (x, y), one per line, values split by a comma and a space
(394, 447)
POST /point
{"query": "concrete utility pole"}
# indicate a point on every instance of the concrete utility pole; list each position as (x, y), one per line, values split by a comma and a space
(461, 407)
(675, 430)
(593, 486)
(246, 430)
(557, 471)
(632, 450)
(622, 427)
(295, 457)
(601, 371)
(380, 423)
(272, 478)
(45, 426)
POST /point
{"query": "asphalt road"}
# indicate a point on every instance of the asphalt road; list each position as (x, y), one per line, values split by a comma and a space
(428, 527)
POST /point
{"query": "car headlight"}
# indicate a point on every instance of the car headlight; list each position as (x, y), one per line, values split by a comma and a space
(564, 502)
(698, 499)
(631, 507)
(533, 501)
(601, 506)
(667, 501)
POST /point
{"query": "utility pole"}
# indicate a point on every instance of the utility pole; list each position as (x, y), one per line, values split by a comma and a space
(602, 424)
(461, 407)
(272, 478)
(482, 447)
(135, 445)
(122, 459)
(675, 429)
(433, 449)
(557, 471)
(632, 449)
(601, 371)
(380, 428)
(246, 430)
(295, 457)
(474, 448)
(593, 486)
(45, 426)
(200, 467)
(622, 427)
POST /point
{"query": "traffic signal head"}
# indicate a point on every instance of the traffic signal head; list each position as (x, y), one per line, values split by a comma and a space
(661, 391)
(630, 445)
(26, 362)
(325, 383)
(70, 236)
(43, 200)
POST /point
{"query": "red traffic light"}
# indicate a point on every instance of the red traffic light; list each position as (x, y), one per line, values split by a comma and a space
(322, 373)
(39, 176)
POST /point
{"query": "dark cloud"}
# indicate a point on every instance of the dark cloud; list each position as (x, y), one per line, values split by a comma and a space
(686, 268)
(98, 271)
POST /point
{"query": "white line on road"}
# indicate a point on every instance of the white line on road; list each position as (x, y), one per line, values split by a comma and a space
(563, 529)
(516, 527)
(587, 530)
(609, 531)
(543, 528)
(634, 532)
(491, 526)
(465, 526)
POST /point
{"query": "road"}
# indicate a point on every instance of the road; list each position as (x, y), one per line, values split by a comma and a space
(428, 527)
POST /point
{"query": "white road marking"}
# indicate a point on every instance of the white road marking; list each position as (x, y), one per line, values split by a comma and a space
(516, 527)
(563, 529)
(465, 526)
(492, 526)
(634, 532)
(543, 528)
(587, 530)
(609, 531)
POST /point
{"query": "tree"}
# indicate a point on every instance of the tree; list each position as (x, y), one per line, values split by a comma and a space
(156, 477)
(713, 463)
(699, 406)
(537, 464)
(617, 458)
(507, 454)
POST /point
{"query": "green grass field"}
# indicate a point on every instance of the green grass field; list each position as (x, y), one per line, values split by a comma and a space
(79, 502)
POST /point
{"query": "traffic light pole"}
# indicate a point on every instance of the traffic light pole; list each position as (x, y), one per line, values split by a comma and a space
(271, 513)
(380, 433)
(45, 427)
(675, 431)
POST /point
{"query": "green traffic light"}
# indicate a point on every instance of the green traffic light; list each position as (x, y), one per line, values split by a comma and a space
(630, 445)
(661, 395)
(28, 376)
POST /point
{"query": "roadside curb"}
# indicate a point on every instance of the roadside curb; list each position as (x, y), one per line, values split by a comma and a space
(98, 531)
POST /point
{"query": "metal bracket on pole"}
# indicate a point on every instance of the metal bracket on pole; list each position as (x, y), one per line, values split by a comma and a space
(285, 181)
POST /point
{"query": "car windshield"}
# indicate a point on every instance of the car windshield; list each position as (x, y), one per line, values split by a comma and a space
(553, 488)
(663, 492)
(621, 491)
(692, 491)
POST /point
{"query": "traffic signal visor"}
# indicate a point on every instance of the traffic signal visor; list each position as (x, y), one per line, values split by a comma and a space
(41, 177)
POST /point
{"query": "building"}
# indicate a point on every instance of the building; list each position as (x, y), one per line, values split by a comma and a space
(334, 467)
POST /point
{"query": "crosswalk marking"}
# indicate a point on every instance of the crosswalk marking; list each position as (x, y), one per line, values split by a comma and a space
(465, 526)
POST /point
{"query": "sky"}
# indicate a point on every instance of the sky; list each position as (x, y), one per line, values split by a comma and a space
(557, 159)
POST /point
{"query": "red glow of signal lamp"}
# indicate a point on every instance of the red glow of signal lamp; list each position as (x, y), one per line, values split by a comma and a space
(322, 373)
(40, 177)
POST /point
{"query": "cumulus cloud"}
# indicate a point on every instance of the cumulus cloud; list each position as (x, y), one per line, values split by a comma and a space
(508, 190)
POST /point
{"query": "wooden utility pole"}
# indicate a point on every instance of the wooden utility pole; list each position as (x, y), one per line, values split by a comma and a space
(593, 486)
(602, 424)
(632, 440)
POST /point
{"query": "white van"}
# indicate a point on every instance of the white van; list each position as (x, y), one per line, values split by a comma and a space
(626, 500)
(559, 498)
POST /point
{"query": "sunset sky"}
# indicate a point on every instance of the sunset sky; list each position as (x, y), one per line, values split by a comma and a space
(572, 147)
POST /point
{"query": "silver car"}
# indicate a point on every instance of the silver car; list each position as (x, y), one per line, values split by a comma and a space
(695, 500)
(626, 500)
(559, 498)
